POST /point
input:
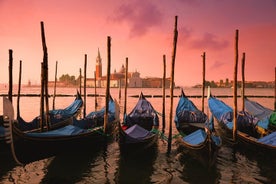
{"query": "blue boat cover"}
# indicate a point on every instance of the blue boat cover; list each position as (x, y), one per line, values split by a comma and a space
(269, 139)
(143, 114)
(216, 139)
(257, 109)
(55, 115)
(186, 111)
(195, 138)
(2, 131)
(247, 123)
(221, 111)
(137, 132)
(96, 118)
(68, 130)
(69, 111)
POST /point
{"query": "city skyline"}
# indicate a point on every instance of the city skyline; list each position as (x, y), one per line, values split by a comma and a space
(143, 32)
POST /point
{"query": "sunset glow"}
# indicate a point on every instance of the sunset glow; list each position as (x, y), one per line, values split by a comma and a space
(141, 30)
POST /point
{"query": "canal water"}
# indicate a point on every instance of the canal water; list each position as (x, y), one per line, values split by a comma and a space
(108, 165)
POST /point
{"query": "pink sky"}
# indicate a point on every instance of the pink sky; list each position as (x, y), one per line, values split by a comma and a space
(142, 31)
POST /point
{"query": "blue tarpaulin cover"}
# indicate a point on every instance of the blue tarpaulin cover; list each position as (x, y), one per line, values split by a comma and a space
(196, 137)
(96, 118)
(221, 111)
(269, 139)
(137, 132)
(186, 111)
(64, 131)
(55, 115)
(143, 114)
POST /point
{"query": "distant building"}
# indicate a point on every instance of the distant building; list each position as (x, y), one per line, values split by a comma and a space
(117, 79)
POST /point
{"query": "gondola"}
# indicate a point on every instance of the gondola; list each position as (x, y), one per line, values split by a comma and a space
(139, 128)
(247, 126)
(197, 135)
(58, 117)
(32, 146)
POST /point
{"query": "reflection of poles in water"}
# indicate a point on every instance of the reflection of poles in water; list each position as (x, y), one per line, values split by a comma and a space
(106, 165)
(136, 166)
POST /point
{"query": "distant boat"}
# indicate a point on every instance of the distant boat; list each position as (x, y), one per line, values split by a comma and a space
(197, 134)
(31, 146)
(247, 126)
(139, 129)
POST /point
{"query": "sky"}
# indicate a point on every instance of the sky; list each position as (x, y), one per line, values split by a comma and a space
(142, 31)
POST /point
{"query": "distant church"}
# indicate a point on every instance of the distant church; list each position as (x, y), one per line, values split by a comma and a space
(117, 79)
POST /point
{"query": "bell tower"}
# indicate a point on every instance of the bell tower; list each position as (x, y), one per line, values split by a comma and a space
(98, 66)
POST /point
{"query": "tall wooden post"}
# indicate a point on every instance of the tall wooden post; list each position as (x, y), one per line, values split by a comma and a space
(275, 91)
(203, 80)
(45, 64)
(95, 90)
(55, 86)
(164, 95)
(235, 85)
(84, 86)
(80, 82)
(107, 94)
(42, 119)
(126, 85)
(10, 75)
(243, 80)
(172, 84)
(19, 89)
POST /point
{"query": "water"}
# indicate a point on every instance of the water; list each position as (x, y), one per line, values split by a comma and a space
(108, 165)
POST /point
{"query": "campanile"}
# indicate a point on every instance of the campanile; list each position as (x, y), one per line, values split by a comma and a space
(98, 66)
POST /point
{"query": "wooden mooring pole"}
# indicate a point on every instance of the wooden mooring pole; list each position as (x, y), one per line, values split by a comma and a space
(107, 93)
(19, 89)
(10, 75)
(164, 95)
(126, 86)
(84, 86)
(45, 64)
(243, 80)
(203, 80)
(55, 86)
(235, 85)
(172, 85)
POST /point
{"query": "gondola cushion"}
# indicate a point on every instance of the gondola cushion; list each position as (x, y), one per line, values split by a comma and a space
(137, 132)
(196, 137)
(269, 139)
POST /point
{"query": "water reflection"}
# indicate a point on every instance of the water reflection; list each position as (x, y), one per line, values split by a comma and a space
(71, 167)
(136, 166)
(6, 161)
(196, 172)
